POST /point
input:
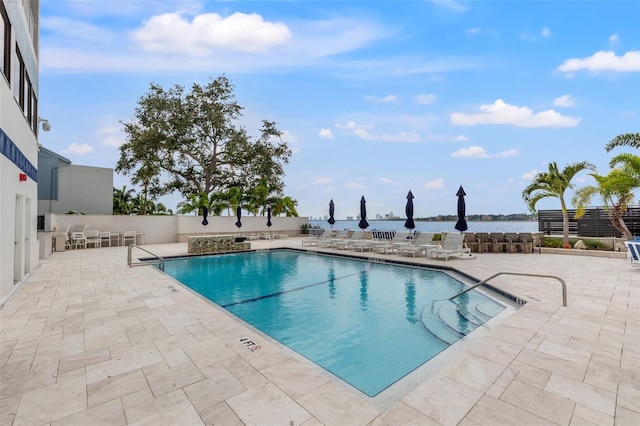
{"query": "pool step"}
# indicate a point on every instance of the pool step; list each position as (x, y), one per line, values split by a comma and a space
(433, 322)
(472, 313)
(489, 309)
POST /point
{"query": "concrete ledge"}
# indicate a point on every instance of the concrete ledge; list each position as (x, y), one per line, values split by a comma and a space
(593, 253)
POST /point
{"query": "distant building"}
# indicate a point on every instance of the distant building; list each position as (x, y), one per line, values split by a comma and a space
(19, 121)
(349, 217)
(63, 186)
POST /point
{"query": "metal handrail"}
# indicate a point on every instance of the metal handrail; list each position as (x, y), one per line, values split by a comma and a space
(160, 260)
(564, 285)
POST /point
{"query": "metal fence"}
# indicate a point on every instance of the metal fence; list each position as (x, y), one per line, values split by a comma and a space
(594, 223)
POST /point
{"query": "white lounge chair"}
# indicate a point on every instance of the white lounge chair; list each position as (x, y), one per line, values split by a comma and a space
(389, 246)
(92, 237)
(423, 243)
(312, 241)
(329, 242)
(452, 245)
(345, 243)
(633, 253)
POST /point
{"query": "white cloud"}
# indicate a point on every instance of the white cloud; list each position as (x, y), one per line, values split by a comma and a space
(545, 32)
(112, 141)
(363, 132)
(384, 100)
(74, 148)
(510, 180)
(450, 4)
(613, 38)
(502, 113)
(434, 184)
(172, 33)
(480, 152)
(472, 151)
(604, 61)
(354, 185)
(460, 138)
(564, 101)
(530, 175)
(323, 181)
(386, 181)
(512, 152)
(75, 29)
(288, 137)
(108, 130)
(326, 134)
(426, 99)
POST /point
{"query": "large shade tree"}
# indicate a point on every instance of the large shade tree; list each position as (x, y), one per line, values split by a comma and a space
(194, 137)
(553, 184)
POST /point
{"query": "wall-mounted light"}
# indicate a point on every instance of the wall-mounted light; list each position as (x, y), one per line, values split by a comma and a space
(46, 126)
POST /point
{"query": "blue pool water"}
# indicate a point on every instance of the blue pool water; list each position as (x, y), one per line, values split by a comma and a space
(368, 323)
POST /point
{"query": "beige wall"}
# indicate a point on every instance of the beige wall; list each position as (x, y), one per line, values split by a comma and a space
(171, 229)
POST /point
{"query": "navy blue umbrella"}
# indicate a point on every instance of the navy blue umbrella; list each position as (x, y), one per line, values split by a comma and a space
(409, 224)
(363, 215)
(461, 224)
(331, 220)
(238, 215)
(269, 216)
(205, 213)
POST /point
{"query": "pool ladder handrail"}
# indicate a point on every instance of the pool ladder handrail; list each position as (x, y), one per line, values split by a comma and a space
(564, 285)
(159, 259)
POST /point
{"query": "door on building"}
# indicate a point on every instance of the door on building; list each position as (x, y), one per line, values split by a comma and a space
(18, 241)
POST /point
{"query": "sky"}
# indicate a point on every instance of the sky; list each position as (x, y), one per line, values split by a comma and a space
(374, 98)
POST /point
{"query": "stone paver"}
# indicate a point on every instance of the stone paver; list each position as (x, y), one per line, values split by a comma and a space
(87, 340)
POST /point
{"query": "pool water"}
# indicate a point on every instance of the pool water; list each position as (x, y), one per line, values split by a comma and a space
(368, 323)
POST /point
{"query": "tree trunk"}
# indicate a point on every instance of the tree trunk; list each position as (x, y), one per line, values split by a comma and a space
(565, 225)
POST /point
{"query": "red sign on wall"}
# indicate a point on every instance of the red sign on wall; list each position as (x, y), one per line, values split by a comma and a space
(23, 177)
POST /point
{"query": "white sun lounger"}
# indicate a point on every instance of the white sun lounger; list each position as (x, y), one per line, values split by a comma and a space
(452, 245)
(423, 243)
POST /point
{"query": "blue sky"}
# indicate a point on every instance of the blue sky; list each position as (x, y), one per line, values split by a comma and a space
(375, 98)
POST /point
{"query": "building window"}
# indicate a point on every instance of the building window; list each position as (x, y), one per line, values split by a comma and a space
(5, 43)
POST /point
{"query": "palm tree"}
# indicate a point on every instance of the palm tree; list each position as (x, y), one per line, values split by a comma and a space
(195, 202)
(553, 184)
(625, 139)
(122, 200)
(615, 189)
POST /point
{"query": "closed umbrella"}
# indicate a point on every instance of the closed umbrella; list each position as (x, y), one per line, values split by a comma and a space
(205, 213)
(363, 215)
(269, 216)
(331, 220)
(238, 215)
(409, 224)
(461, 224)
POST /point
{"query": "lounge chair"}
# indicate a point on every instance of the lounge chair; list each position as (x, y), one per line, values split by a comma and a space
(452, 245)
(389, 246)
(313, 241)
(329, 242)
(633, 252)
(345, 243)
(423, 243)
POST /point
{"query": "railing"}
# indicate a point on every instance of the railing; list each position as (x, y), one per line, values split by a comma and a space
(564, 285)
(158, 259)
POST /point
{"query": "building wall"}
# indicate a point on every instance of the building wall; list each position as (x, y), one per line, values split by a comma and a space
(82, 189)
(18, 199)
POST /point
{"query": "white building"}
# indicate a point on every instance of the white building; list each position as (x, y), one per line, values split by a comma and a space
(19, 123)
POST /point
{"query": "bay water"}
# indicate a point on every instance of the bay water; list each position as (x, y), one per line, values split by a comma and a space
(398, 226)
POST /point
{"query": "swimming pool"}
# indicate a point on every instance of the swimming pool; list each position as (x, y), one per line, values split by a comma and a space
(369, 324)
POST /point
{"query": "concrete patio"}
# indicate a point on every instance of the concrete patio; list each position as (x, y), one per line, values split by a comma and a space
(89, 341)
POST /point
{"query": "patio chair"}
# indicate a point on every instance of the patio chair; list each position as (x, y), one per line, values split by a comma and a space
(472, 242)
(452, 245)
(514, 243)
(633, 253)
(527, 241)
(78, 240)
(498, 242)
(92, 236)
(484, 241)
(423, 243)
(128, 235)
(105, 237)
